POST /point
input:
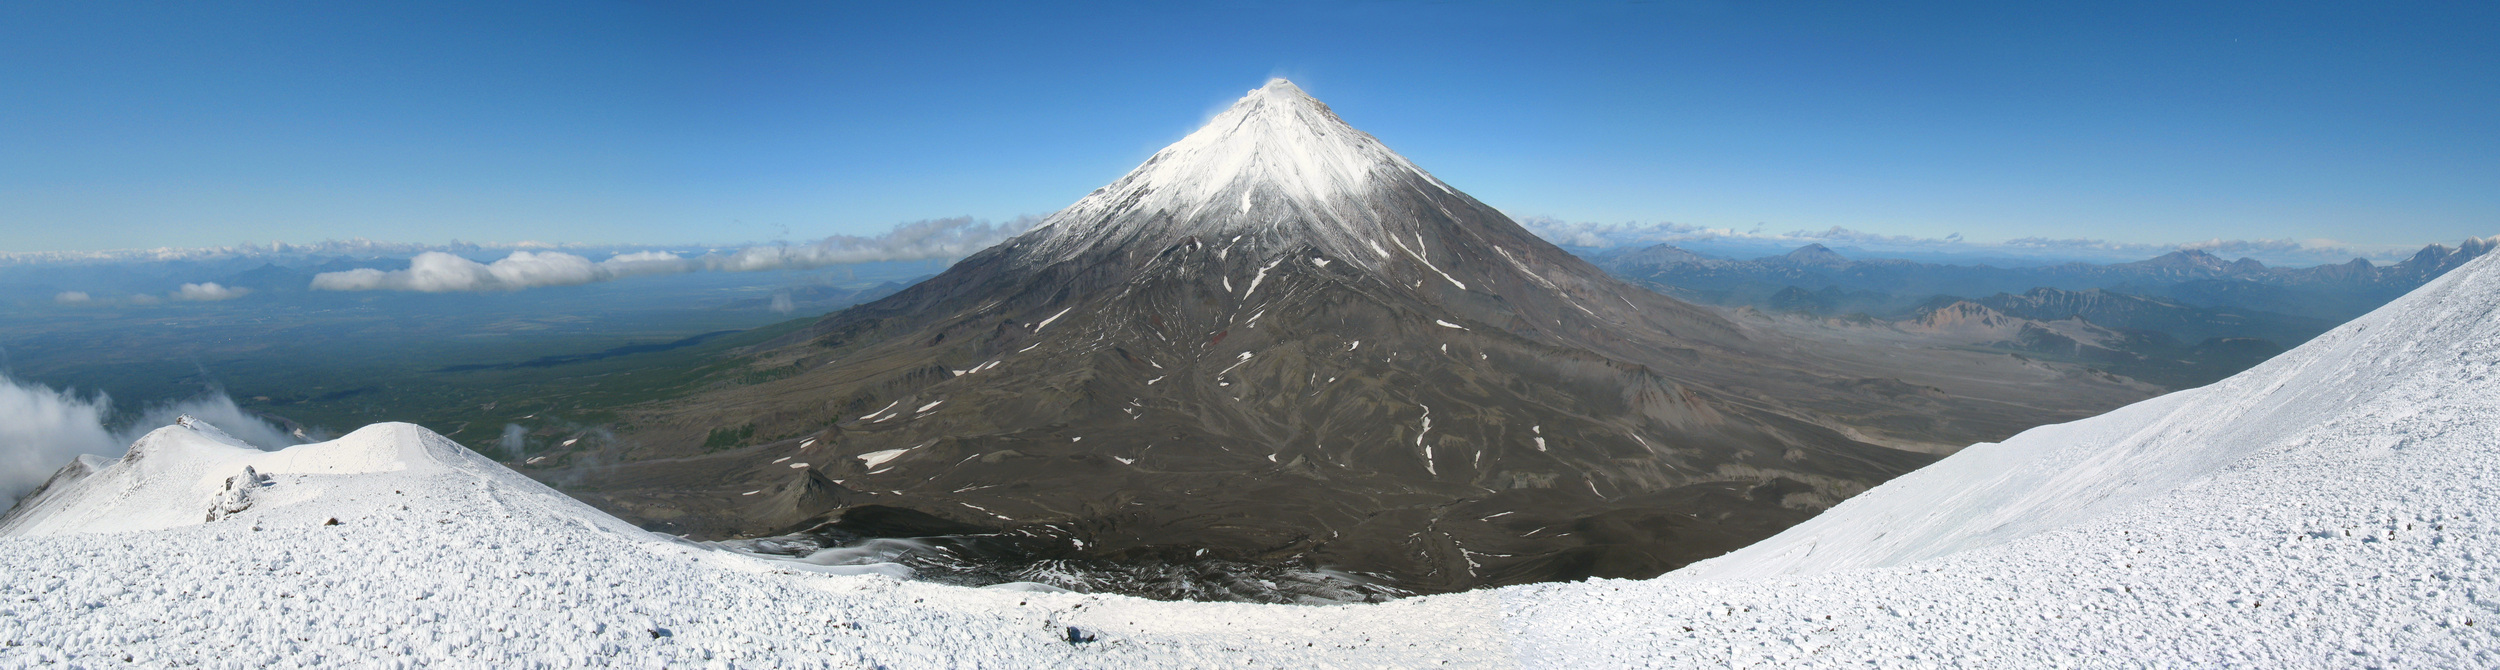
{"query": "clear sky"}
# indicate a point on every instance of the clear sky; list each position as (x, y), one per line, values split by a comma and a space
(191, 124)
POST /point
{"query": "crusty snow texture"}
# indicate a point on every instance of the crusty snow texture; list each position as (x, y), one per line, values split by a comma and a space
(2330, 508)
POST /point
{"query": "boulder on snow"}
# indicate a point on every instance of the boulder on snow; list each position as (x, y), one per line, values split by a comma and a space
(239, 493)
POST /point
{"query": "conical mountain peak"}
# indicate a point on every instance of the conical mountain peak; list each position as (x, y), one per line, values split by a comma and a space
(1277, 94)
(1275, 137)
(1276, 155)
(1276, 331)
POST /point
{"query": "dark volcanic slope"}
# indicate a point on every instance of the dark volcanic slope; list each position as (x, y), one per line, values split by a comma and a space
(1278, 340)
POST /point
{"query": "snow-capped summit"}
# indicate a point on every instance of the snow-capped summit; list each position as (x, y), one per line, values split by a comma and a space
(1276, 137)
(1278, 161)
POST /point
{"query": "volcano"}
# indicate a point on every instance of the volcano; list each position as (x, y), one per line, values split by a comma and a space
(1277, 340)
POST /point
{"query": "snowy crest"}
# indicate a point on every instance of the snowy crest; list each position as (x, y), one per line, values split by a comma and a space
(205, 429)
(180, 442)
(1276, 159)
(1276, 138)
(189, 473)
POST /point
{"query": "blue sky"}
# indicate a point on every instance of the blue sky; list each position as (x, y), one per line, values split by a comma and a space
(126, 125)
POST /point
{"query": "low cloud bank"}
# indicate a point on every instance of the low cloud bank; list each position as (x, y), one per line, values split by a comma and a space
(2276, 252)
(273, 251)
(918, 240)
(41, 429)
(202, 292)
(209, 291)
(438, 272)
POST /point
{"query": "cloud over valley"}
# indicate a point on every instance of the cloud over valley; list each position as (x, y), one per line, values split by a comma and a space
(438, 272)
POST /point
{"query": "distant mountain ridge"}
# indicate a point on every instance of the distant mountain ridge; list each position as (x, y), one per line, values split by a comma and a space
(2187, 323)
(2191, 276)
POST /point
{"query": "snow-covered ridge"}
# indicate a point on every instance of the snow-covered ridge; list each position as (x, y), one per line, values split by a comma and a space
(191, 473)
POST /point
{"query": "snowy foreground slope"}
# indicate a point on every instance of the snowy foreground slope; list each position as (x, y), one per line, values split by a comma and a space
(2329, 508)
(2335, 506)
(442, 557)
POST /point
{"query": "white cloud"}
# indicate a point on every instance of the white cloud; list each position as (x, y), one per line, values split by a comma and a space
(643, 263)
(933, 238)
(436, 272)
(208, 291)
(72, 297)
(274, 250)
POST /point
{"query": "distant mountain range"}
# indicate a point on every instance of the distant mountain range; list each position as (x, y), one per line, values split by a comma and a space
(2192, 277)
(2182, 319)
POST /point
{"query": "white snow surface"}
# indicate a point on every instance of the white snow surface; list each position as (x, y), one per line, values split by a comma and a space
(2329, 508)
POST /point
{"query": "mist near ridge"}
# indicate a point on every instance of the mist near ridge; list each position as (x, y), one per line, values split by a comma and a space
(42, 428)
